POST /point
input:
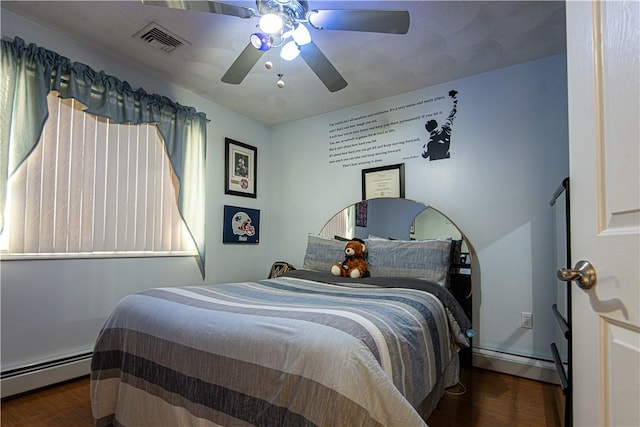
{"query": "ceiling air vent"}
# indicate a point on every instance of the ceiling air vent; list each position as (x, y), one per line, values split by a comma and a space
(160, 38)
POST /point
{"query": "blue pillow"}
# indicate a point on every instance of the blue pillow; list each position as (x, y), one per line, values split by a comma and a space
(421, 259)
(322, 253)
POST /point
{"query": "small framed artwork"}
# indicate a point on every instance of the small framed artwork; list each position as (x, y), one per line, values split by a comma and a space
(361, 214)
(383, 181)
(241, 225)
(240, 173)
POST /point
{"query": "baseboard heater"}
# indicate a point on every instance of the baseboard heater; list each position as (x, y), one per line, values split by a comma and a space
(513, 364)
(38, 375)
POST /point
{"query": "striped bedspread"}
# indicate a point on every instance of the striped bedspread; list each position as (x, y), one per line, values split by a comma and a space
(279, 352)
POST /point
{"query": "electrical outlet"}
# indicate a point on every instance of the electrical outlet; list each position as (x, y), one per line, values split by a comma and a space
(526, 320)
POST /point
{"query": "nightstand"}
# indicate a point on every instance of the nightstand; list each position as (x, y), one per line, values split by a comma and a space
(461, 289)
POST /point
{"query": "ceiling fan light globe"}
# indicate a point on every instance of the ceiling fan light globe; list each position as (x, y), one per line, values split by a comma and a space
(261, 41)
(290, 51)
(301, 35)
(280, 83)
(270, 23)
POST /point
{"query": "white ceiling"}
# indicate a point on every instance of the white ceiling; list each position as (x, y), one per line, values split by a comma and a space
(447, 40)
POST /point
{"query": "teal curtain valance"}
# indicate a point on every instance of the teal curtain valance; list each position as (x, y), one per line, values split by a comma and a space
(30, 72)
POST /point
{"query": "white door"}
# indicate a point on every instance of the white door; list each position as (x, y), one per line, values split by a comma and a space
(603, 53)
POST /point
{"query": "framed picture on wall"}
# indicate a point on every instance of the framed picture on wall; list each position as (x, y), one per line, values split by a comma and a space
(383, 181)
(361, 214)
(240, 173)
(241, 225)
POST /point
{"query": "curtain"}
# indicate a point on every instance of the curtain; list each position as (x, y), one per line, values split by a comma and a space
(29, 73)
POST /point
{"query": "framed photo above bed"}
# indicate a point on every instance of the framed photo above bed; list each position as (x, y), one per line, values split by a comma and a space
(240, 173)
(361, 214)
(241, 225)
(383, 181)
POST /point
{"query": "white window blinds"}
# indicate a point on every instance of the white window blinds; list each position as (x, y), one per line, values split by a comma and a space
(342, 224)
(94, 187)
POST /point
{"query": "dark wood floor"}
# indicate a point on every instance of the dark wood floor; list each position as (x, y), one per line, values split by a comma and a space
(491, 400)
(499, 400)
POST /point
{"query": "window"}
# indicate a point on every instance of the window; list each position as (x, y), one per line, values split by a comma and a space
(94, 188)
(342, 224)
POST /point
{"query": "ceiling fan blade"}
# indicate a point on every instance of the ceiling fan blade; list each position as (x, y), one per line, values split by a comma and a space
(205, 6)
(374, 21)
(242, 65)
(323, 68)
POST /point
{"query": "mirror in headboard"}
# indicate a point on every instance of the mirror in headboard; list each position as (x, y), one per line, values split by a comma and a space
(395, 219)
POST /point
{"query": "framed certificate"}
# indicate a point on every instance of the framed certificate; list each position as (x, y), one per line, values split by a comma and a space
(383, 181)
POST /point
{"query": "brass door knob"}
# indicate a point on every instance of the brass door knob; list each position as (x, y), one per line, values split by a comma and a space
(584, 274)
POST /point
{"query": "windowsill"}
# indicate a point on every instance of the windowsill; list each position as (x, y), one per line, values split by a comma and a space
(4, 256)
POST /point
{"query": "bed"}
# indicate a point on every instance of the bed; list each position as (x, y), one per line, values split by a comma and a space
(301, 349)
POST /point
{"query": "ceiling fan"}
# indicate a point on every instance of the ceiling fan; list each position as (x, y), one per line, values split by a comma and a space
(282, 25)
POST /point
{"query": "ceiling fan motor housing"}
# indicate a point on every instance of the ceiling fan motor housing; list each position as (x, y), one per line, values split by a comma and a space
(294, 9)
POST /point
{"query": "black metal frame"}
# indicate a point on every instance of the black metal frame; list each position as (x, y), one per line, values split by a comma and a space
(231, 187)
(565, 324)
(399, 167)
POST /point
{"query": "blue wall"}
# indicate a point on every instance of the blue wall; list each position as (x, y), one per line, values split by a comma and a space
(389, 218)
(509, 152)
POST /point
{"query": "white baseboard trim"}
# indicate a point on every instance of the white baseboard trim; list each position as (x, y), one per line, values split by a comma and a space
(24, 380)
(512, 364)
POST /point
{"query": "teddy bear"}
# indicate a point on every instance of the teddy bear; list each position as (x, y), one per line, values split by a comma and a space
(354, 264)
